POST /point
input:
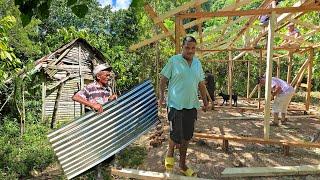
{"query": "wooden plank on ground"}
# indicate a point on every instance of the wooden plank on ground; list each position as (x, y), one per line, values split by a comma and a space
(257, 140)
(271, 171)
(149, 175)
(261, 117)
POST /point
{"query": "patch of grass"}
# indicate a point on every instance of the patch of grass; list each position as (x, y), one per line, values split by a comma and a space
(132, 156)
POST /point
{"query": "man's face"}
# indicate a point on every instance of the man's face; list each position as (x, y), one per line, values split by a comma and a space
(290, 28)
(188, 50)
(103, 77)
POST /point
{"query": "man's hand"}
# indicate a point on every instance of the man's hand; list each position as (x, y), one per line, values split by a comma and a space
(98, 107)
(113, 97)
(205, 107)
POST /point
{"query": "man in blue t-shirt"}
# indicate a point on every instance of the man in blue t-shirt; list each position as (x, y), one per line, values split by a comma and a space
(184, 75)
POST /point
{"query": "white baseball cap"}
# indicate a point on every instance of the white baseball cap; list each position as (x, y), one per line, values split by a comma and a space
(101, 67)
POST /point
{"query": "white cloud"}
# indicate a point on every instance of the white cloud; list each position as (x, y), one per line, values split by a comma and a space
(116, 4)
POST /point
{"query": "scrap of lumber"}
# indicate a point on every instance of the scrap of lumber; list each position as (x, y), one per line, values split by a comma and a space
(149, 175)
(261, 117)
(271, 171)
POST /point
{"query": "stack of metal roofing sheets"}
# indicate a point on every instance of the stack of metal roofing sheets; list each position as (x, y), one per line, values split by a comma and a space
(94, 137)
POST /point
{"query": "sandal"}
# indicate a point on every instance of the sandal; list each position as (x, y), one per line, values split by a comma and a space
(274, 124)
(189, 172)
(169, 163)
(284, 122)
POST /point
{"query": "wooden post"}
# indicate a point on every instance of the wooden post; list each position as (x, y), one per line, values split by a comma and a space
(260, 74)
(56, 106)
(290, 57)
(43, 98)
(248, 80)
(200, 28)
(177, 34)
(278, 67)
(269, 74)
(230, 79)
(80, 76)
(309, 82)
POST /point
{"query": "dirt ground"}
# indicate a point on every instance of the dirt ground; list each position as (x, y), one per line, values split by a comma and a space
(208, 159)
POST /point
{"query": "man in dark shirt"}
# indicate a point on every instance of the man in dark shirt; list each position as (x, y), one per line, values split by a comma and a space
(210, 84)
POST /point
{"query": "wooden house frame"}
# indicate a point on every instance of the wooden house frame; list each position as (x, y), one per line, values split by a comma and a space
(286, 15)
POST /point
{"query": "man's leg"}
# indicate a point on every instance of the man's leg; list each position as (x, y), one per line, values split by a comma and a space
(275, 119)
(283, 118)
(170, 148)
(183, 155)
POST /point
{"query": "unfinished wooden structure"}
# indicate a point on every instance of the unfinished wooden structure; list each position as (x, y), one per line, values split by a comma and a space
(280, 17)
(66, 70)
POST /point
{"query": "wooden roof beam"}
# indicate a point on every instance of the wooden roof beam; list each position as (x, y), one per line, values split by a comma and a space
(251, 12)
(250, 22)
(282, 18)
(177, 10)
(153, 15)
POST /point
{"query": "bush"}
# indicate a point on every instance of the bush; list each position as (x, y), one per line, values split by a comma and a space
(23, 154)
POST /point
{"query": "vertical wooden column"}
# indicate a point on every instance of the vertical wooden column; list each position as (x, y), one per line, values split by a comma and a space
(230, 79)
(278, 67)
(43, 98)
(178, 24)
(260, 74)
(81, 77)
(309, 83)
(290, 57)
(248, 79)
(269, 74)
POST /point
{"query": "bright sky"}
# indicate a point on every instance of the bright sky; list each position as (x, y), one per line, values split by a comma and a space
(116, 4)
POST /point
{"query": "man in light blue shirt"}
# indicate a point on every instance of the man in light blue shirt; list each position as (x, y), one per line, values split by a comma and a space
(184, 75)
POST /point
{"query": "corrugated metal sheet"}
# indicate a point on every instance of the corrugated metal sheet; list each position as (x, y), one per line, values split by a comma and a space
(94, 137)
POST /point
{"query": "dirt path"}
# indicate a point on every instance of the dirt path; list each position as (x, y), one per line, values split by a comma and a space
(209, 160)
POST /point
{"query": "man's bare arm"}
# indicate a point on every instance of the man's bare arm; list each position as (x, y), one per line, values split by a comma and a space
(203, 93)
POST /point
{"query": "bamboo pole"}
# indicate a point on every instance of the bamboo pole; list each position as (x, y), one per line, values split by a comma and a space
(290, 57)
(309, 83)
(269, 73)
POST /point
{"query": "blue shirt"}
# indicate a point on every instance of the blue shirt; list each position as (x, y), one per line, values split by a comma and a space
(183, 82)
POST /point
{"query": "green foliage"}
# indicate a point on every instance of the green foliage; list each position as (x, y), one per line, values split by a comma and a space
(132, 156)
(23, 154)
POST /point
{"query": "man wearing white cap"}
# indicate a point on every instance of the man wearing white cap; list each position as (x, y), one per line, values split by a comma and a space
(95, 95)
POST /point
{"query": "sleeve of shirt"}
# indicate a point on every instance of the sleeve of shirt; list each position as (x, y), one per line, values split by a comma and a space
(83, 93)
(167, 70)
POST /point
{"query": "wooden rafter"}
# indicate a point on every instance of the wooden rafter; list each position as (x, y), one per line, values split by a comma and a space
(251, 12)
(250, 22)
(281, 19)
(179, 9)
(154, 16)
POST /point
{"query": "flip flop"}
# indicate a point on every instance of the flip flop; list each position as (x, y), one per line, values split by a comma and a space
(169, 163)
(189, 172)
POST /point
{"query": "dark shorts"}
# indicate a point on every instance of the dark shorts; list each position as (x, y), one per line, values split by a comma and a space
(181, 124)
